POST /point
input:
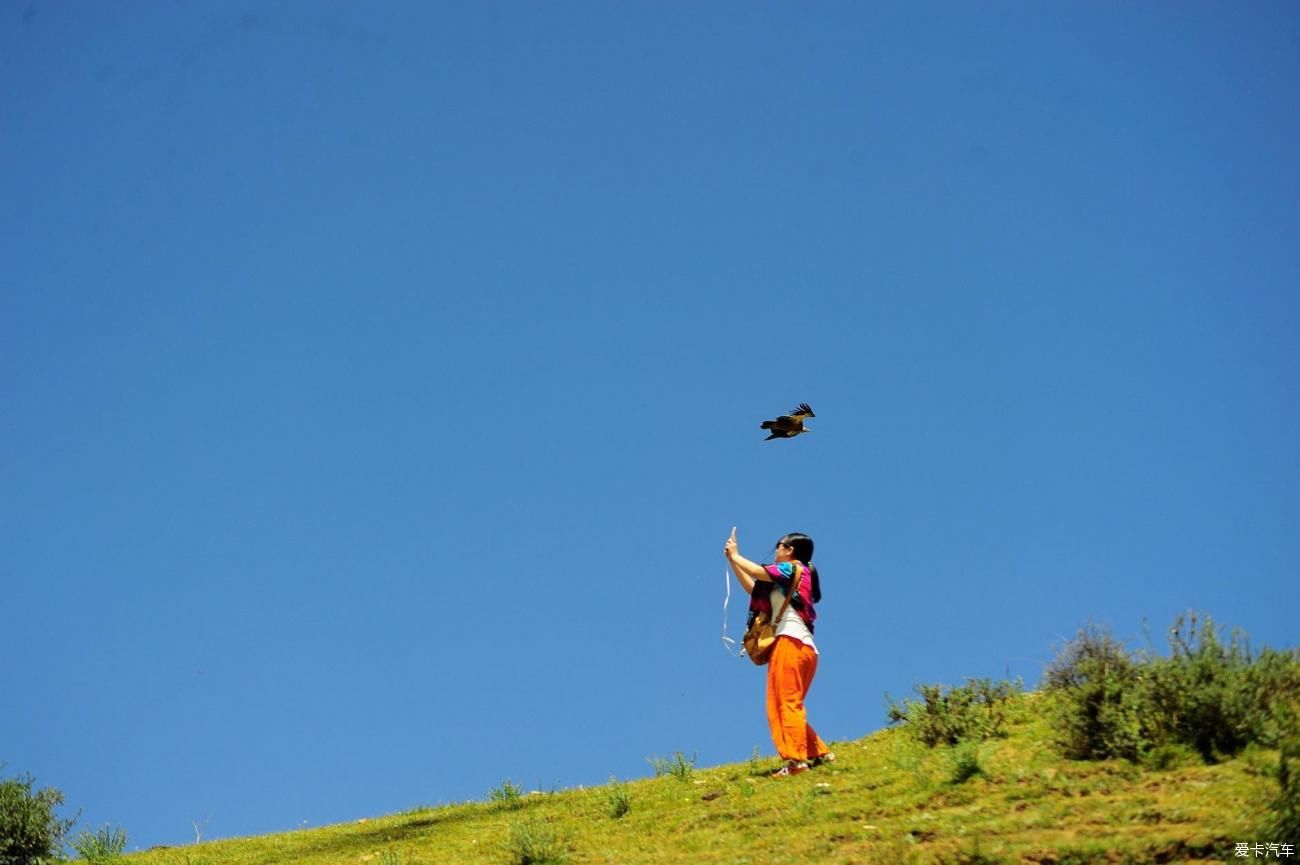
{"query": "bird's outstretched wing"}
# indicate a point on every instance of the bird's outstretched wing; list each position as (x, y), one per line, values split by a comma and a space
(788, 425)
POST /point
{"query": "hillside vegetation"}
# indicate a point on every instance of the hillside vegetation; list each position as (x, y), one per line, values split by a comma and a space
(982, 773)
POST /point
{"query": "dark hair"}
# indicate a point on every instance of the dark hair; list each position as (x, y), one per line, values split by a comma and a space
(802, 548)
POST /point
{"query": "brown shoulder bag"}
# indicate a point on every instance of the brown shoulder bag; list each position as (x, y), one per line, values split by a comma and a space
(760, 636)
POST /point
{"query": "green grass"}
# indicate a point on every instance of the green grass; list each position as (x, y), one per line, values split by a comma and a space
(887, 799)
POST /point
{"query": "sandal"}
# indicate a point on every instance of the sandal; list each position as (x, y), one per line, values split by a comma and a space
(824, 760)
(793, 767)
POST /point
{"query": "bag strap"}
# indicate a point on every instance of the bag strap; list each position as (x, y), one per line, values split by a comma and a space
(794, 587)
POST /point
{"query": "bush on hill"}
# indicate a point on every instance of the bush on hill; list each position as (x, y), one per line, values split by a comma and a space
(1210, 694)
(1098, 713)
(30, 833)
(972, 712)
(102, 847)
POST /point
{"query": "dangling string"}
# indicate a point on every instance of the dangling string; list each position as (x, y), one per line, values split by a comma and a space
(728, 643)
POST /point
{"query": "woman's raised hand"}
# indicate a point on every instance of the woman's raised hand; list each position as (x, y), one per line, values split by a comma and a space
(731, 548)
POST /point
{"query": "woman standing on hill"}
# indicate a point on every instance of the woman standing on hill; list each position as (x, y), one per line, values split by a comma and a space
(793, 663)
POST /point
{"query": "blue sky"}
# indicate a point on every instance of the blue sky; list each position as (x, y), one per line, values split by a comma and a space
(380, 383)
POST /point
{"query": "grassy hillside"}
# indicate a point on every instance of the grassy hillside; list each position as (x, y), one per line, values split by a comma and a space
(887, 799)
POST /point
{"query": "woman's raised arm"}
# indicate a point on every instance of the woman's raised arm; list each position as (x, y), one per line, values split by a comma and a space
(746, 572)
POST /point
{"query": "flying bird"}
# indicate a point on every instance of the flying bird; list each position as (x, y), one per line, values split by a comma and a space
(787, 426)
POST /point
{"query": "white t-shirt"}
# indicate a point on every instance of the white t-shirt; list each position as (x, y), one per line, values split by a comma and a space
(791, 624)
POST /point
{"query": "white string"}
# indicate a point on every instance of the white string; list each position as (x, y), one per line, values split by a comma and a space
(728, 643)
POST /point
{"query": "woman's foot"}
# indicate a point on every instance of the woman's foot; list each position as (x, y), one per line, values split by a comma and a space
(792, 767)
(824, 760)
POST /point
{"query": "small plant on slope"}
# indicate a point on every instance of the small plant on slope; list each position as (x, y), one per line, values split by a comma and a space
(617, 799)
(508, 796)
(532, 842)
(101, 847)
(975, 711)
(677, 766)
(965, 759)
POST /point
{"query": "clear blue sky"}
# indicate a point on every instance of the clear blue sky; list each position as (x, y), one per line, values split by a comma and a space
(381, 382)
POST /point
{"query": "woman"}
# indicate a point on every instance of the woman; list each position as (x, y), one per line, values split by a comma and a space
(793, 663)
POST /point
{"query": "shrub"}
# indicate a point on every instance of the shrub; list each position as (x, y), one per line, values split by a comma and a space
(534, 843)
(99, 848)
(30, 833)
(965, 759)
(1275, 678)
(1099, 713)
(508, 796)
(677, 766)
(617, 799)
(1213, 695)
(1210, 694)
(1161, 758)
(1283, 819)
(975, 711)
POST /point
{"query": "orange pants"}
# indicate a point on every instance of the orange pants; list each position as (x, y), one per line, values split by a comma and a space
(790, 673)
